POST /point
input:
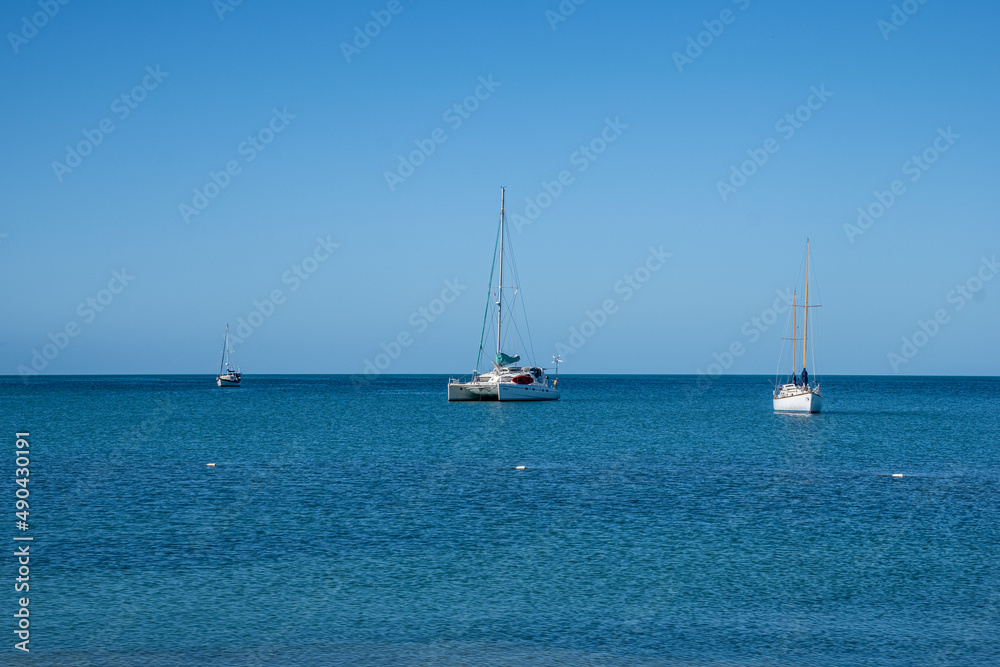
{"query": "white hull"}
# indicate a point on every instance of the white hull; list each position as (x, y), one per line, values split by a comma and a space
(804, 401)
(472, 392)
(223, 382)
(531, 392)
(501, 391)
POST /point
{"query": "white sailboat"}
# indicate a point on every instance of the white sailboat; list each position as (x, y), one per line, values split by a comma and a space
(228, 377)
(506, 381)
(799, 393)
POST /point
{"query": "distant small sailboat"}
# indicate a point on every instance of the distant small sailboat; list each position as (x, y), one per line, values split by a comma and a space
(228, 377)
(507, 381)
(799, 393)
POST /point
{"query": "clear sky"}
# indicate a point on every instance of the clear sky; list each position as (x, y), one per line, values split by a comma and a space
(308, 115)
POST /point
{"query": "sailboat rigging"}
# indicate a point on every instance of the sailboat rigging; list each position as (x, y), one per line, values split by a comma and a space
(507, 381)
(228, 377)
(799, 393)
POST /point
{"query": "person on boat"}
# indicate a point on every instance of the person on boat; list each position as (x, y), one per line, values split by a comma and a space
(805, 377)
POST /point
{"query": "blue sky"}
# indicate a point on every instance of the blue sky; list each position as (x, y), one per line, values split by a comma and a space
(887, 95)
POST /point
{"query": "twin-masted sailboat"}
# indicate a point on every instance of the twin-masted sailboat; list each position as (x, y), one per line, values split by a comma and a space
(798, 393)
(228, 377)
(505, 381)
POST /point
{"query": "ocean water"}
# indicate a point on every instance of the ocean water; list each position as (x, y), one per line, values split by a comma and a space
(656, 522)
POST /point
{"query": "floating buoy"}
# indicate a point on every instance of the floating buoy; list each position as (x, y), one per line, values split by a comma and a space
(210, 465)
(897, 474)
(519, 468)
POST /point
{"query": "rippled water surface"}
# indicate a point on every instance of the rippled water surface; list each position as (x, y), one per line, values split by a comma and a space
(656, 522)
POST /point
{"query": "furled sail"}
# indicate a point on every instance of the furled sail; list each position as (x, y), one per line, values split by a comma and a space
(506, 360)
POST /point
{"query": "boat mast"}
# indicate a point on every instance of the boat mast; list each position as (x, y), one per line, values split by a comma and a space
(805, 309)
(795, 327)
(500, 283)
(225, 350)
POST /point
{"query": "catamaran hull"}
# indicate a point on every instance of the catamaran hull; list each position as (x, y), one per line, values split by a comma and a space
(530, 392)
(471, 392)
(500, 392)
(804, 402)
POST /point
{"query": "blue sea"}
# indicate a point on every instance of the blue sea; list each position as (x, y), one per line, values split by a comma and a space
(656, 522)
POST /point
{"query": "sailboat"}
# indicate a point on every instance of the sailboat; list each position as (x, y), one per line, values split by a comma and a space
(799, 393)
(506, 380)
(227, 376)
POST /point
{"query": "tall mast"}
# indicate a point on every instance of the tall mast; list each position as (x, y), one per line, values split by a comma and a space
(225, 350)
(795, 327)
(805, 309)
(500, 284)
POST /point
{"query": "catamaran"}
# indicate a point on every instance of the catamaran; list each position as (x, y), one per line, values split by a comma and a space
(799, 393)
(505, 381)
(227, 376)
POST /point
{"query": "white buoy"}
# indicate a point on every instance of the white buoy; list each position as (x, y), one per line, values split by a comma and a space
(519, 468)
(210, 465)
